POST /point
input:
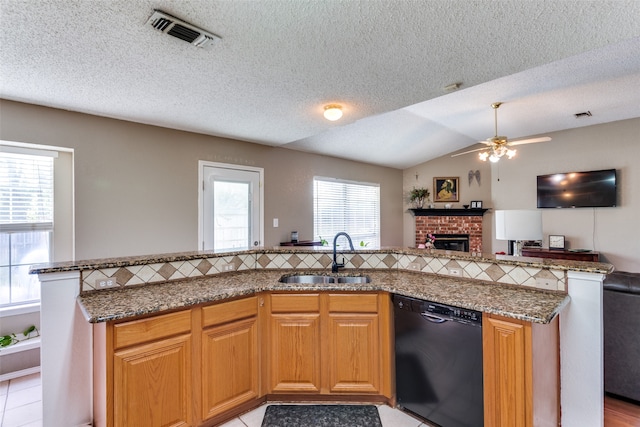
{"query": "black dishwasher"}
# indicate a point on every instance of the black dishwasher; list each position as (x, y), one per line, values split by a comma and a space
(439, 362)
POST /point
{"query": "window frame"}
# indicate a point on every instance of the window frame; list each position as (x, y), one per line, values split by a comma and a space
(61, 239)
(363, 239)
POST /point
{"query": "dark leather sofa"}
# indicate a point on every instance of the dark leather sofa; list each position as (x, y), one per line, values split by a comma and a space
(622, 334)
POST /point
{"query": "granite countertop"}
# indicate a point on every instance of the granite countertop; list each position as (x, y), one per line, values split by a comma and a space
(511, 301)
(92, 264)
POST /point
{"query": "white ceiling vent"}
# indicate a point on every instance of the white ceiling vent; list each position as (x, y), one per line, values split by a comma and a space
(175, 27)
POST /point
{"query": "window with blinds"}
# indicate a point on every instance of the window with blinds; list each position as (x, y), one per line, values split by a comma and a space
(26, 221)
(348, 206)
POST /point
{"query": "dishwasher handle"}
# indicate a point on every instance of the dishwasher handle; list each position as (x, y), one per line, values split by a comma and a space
(431, 318)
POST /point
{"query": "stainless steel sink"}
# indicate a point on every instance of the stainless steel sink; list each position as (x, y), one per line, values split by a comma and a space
(317, 278)
(307, 278)
(354, 279)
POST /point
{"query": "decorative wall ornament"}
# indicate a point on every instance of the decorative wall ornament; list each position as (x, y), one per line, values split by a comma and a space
(474, 174)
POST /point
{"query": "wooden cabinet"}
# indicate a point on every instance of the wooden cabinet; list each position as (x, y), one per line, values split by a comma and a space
(354, 345)
(202, 365)
(521, 373)
(230, 361)
(178, 369)
(329, 343)
(152, 372)
(294, 343)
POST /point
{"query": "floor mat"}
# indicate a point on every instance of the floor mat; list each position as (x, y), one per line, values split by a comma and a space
(321, 416)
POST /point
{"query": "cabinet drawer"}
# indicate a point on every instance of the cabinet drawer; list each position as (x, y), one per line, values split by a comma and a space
(229, 311)
(295, 303)
(353, 303)
(151, 329)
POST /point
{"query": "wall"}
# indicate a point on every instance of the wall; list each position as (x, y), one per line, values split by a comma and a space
(512, 184)
(136, 189)
(611, 231)
(470, 189)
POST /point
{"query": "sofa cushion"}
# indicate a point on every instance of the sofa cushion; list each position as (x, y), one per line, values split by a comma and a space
(622, 281)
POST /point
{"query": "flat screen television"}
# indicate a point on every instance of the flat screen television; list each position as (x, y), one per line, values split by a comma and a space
(592, 189)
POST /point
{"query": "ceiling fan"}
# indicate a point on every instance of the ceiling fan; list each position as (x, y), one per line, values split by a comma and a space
(498, 146)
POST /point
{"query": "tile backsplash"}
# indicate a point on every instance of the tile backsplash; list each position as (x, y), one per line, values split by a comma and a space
(481, 269)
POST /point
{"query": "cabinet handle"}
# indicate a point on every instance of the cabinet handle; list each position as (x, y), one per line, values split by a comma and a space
(261, 302)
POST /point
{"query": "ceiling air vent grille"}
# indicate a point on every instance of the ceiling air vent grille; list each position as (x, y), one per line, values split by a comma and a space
(175, 27)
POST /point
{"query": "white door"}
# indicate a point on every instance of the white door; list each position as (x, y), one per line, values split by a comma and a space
(231, 207)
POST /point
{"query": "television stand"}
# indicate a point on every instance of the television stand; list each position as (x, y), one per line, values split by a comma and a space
(561, 254)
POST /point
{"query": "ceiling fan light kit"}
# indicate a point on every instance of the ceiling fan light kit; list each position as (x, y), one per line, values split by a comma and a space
(499, 146)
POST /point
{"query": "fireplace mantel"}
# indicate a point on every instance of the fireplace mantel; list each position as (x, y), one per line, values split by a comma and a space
(448, 212)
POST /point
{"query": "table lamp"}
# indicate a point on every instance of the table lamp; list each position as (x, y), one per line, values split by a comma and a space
(518, 225)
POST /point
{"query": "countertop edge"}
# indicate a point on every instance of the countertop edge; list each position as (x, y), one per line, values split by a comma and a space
(489, 297)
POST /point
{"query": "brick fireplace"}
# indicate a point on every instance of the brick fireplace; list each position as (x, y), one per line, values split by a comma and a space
(450, 221)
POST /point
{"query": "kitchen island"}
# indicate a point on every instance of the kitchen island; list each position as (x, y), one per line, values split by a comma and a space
(503, 286)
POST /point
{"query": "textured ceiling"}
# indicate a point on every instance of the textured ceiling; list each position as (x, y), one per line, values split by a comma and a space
(279, 62)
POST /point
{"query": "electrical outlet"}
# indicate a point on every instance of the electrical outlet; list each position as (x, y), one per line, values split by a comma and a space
(229, 267)
(414, 266)
(549, 284)
(455, 272)
(109, 282)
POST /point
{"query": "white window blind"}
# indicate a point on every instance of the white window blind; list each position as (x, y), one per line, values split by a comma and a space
(26, 192)
(26, 220)
(347, 206)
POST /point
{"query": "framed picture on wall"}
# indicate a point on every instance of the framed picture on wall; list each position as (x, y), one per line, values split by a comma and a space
(446, 189)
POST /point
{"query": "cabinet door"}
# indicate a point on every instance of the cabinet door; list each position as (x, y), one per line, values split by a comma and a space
(295, 352)
(229, 366)
(152, 384)
(506, 377)
(354, 349)
(294, 343)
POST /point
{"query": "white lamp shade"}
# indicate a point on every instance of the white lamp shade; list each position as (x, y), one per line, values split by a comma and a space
(519, 225)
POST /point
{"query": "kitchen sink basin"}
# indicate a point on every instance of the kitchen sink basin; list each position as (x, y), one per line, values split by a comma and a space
(353, 279)
(314, 279)
(307, 279)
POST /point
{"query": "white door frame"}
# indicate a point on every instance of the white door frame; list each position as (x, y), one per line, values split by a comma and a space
(201, 166)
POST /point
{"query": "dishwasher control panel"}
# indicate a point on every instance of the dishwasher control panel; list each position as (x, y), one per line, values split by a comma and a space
(459, 313)
(442, 310)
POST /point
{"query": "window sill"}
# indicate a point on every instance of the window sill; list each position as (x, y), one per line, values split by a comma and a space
(16, 310)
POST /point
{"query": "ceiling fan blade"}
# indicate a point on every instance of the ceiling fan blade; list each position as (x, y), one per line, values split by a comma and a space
(470, 151)
(529, 141)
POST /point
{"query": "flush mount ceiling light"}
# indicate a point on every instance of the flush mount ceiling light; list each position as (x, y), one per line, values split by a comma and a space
(332, 112)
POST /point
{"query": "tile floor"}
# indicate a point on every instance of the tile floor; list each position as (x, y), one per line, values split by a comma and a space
(21, 406)
(390, 418)
(21, 402)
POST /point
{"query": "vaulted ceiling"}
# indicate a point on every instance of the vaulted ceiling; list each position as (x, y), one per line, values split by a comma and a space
(279, 62)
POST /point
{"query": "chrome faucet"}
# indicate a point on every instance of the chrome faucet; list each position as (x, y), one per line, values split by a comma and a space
(335, 266)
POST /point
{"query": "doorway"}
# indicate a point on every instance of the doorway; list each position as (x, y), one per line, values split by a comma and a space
(231, 207)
